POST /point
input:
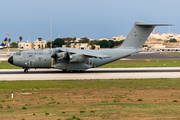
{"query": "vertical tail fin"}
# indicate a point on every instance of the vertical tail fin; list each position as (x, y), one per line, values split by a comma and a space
(139, 34)
(4, 42)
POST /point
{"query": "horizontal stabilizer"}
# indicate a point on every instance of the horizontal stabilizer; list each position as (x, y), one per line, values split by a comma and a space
(143, 24)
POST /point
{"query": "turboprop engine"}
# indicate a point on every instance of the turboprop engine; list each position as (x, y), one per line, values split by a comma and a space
(60, 56)
(67, 56)
(63, 55)
(77, 58)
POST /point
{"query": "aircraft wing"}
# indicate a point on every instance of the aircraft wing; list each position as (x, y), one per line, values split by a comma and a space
(89, 53)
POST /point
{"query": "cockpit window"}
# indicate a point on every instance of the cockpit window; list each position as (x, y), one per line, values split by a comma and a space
(17, 54)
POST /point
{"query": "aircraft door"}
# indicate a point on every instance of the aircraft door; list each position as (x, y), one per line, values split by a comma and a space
(31, 63)
(91, 61)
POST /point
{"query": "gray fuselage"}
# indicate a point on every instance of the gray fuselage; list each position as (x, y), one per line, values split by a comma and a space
(43, 59)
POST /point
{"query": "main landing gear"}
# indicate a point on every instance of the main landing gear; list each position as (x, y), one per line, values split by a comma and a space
(25, 70)
(65, 70)
(72, 71)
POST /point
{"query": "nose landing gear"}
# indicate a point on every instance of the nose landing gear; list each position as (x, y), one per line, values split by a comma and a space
(25, 70)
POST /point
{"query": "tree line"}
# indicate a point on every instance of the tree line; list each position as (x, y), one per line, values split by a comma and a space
(15, 44)
(106, 43)
(58, 42)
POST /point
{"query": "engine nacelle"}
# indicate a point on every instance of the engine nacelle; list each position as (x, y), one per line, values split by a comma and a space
(63, 55)
(60, 55)
(67, 56)
(77, 58)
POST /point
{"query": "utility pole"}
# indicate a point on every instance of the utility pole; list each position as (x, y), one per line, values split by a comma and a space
(8, 34)
(51, 28)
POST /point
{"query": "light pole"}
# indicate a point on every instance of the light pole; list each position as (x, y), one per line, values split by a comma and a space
(51, 28)
(8, 34)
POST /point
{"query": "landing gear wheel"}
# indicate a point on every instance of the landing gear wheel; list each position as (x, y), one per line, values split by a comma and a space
(25, 70)
(64, 70)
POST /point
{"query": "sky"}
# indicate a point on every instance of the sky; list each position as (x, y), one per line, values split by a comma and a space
(83, 18)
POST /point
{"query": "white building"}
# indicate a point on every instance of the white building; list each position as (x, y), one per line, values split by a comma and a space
(21, 44)
(119, 38)
(164, 36)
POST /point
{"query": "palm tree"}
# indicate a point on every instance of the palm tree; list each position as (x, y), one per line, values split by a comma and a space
(9, 40)
(20, 39)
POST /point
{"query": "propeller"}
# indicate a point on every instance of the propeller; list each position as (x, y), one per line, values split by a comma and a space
(63, 55)
(67, 58)
(54, 55)
(66, 55)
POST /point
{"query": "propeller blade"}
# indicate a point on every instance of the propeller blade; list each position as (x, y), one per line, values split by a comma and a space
(66, 55)
(55, 57)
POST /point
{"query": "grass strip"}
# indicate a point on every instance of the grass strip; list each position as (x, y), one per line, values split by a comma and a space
(11, 49)
(7, 65)
(143, 63)
(159, 83)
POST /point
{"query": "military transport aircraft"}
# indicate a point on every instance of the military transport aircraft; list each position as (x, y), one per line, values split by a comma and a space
(71, 59)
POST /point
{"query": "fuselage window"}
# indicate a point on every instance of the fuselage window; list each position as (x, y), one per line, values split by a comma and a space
(38, 53)
(30, 54)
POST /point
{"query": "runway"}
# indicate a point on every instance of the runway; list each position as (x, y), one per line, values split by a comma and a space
(94, 73)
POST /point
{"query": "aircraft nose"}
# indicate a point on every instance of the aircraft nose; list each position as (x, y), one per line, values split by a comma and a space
(10, 60)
